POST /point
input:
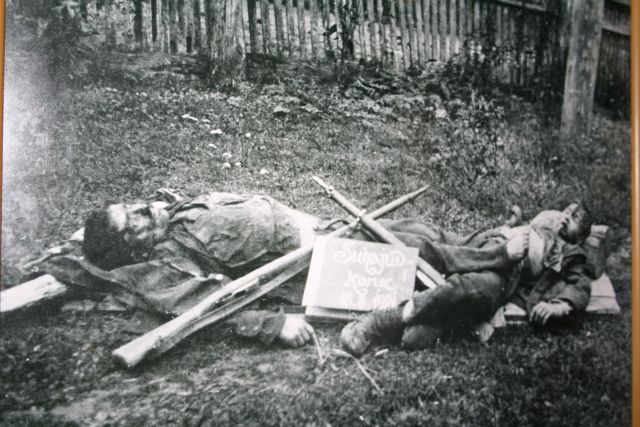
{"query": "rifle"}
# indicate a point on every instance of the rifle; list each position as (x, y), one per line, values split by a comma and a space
(220, 304)
(426, 274)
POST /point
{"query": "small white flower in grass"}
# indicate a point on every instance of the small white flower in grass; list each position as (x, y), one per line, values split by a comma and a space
(216, 132)
(238, 164)
(226, 155)
(226, 165)
(441, 113)
(247, 135)
(212, 146)
(263, 172)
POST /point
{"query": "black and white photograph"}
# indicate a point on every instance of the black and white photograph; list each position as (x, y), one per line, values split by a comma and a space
(316, 212)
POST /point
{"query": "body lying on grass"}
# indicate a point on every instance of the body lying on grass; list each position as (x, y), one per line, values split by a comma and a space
(174, 252)
(550, 279)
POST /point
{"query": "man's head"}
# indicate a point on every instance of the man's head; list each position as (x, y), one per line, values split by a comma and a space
(576, 223)
(122, 233)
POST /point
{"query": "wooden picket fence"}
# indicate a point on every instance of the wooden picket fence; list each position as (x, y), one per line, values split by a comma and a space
(524, 37)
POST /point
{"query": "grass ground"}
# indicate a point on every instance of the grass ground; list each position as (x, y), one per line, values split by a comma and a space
(66, 152)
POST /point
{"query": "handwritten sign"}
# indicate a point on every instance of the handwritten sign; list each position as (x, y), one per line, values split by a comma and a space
(355, 276)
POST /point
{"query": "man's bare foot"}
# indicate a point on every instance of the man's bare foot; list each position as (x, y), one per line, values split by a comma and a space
(295, 332)
(518, 245)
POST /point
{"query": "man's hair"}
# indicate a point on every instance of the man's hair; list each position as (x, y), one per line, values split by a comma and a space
(103, 245)
(585, 223)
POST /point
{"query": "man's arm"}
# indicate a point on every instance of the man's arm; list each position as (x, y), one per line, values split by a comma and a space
(572, 293)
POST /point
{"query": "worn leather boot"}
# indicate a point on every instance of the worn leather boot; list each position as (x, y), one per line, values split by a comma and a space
(358, 335)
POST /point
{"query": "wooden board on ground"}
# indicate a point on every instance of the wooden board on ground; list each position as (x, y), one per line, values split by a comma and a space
(602, 301)
(349, 277)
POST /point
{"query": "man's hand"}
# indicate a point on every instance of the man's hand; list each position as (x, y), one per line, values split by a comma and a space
(518, 245)
(295, 332)
(543, 311)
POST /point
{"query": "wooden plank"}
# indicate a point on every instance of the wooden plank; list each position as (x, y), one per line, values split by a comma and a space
(522, 5)
(498, 26)
(435, 36)
(40, 289)
(362, 39)
(382, 33)
(197, 24)
(182, 27)
(442, 20)
(421, 48)
(265, 24)
(253, 27)
(291, 26)
(154, 22)
(453, 27)
(313, 22)
(413, 52)
(426, 29)
(393, 33)
(173, 27)
(302, 32)
(326, 24)
(277, 13)
(622, 30)
(404, 35)
(190, 30)
(462, 22)
(371, 27)
(478, 28)
(337, 14)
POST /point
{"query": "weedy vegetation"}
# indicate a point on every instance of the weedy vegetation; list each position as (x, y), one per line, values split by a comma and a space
(132, 124)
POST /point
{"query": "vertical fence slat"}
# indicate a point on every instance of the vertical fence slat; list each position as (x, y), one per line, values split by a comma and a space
(291, 27)
(302, 32)
(336, 14)
(173, 26)
(404, 36)
(462, 23)
(371, 28)
(266, 27)
(426, 29)
(413, 53)
(435, 37)
(182, 27)
(452, 29)
(277, 12)
(477, 21)
(442, 21)
(393, 33)
(197, 24)
(326, 24)
(313, 22)
(253, 28)
(362, 40)
(422, 39)
(382, 32)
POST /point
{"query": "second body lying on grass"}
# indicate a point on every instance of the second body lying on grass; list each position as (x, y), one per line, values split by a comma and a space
(547, 274)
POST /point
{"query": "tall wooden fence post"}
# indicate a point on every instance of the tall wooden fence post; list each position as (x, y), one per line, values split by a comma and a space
(582, 65)
(225, 59)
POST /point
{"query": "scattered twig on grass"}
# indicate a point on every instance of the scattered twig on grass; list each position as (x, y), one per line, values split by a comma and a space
(320, 356)
(364, 371)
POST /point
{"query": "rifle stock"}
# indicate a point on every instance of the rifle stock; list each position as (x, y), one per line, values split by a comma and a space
(208, 311)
